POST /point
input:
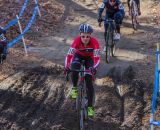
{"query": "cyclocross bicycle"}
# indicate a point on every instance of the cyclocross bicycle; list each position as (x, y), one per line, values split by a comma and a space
(81, 100)
(133, 13)
(110, 42)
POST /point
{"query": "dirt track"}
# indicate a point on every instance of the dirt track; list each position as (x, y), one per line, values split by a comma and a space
(33, 90)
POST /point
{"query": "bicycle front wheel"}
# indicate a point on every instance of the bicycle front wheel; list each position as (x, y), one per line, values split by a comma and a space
(80, 110)
(81, 120)
(108, 52)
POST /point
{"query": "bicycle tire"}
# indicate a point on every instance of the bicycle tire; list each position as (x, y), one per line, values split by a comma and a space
(80, 111)
(81, 122)
(113, 45)
(113, 49)
(78, 100)
(108, 42)
(108, 51)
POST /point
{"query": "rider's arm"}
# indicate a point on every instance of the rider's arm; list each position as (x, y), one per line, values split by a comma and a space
(70, 53)
(102, 7)
(121, 7)
(96, 53)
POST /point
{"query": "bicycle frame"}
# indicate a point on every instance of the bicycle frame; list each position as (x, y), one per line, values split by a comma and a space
(81, 104)
(81, 101)
(110, 42)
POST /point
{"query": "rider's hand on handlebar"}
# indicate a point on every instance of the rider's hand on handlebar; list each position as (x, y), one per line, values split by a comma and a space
(99, 20)
(93, 70)
(66, 70)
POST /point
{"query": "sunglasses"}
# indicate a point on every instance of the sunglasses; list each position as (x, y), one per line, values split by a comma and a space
(85, 36)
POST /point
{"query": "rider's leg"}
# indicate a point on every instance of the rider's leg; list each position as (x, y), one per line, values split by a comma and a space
(105, 30)
(138, 6)
(118, 17)
(90, 94)
(128, 6)
(89, 87)
(118, 28)
(1, 52)
(106, 26)
(4, 52)
(76, 64)
(105, 33)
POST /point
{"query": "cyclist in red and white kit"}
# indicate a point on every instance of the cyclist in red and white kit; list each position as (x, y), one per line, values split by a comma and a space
(86, 48)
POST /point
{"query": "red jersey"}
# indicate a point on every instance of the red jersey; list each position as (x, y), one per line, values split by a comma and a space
(77, 47)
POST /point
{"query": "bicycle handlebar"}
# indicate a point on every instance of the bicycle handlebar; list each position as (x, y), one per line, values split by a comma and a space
(108, 20)
(76, 70)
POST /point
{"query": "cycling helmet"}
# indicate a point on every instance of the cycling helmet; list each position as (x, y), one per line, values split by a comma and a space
(85, 28)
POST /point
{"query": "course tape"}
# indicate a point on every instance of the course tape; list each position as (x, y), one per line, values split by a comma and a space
(20, 14)
(23, 8)
(10, 44)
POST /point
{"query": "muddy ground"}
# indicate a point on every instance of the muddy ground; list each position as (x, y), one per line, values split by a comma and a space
(33, 89)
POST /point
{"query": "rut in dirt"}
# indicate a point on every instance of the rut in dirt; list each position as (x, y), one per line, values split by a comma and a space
(120, 99)
(36, 99)
(32, 98)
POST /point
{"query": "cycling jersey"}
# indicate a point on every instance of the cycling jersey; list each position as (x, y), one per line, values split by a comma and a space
(111, 9)
(137, 2)
(91, 51)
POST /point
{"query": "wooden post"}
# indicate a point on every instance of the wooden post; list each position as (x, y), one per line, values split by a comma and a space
(20, 28)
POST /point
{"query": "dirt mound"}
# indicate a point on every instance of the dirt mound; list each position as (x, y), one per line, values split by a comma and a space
(33, 100)
(123, 95)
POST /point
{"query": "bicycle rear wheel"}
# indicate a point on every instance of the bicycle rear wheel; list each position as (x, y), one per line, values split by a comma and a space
(109, 42)
(113, 49)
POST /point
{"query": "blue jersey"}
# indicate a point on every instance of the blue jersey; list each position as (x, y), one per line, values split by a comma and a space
(111, 9)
